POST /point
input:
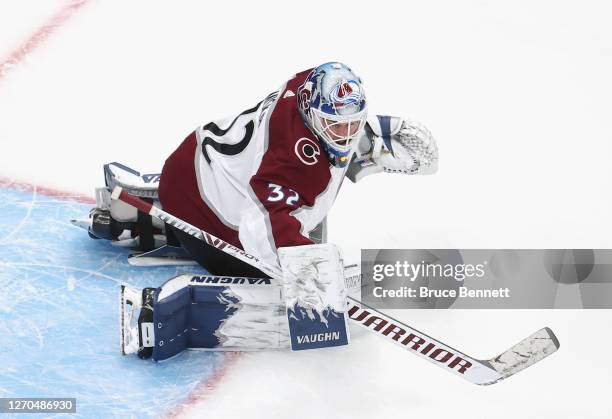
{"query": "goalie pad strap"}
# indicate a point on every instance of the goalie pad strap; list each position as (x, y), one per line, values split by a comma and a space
(145, 231)
(171, 239)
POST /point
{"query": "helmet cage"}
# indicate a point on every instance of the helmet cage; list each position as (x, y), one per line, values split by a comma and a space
(338, 131)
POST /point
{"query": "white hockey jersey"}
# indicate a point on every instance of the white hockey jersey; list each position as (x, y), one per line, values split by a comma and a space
(259, 180)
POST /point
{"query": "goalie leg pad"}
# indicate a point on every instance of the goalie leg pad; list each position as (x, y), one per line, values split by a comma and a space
(145, 186)
(220, 313)
(122, 223)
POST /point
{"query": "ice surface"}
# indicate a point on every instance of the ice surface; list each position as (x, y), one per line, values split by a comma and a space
(59, 307)
(516, 93)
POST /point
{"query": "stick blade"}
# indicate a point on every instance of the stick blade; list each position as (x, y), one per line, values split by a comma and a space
(524, 354)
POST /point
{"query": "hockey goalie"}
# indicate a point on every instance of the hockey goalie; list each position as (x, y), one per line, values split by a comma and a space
(262, 181)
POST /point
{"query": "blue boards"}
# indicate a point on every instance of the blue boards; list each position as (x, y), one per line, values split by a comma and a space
(59, 324)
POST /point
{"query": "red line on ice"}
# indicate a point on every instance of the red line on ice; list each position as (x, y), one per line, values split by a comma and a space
(205, 388)
(7, 64)
(43, 190)
(41, 34)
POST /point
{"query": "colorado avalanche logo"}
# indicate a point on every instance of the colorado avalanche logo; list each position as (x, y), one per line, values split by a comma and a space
(347, 92)
(307, 151)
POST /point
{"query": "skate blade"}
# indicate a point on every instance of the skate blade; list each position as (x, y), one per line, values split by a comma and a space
(84, 224)
(122, 319)
(129, 300)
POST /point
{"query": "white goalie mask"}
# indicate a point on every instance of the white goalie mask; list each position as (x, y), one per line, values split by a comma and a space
(333, 104)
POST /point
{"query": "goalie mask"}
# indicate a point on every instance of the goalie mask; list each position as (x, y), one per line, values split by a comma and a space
(333, 104)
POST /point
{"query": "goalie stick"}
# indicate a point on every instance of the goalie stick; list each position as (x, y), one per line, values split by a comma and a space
(483, 372)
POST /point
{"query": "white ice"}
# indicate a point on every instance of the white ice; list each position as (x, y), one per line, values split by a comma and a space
(516, 93)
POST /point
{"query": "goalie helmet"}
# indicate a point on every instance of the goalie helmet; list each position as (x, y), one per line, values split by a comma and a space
(333, 104)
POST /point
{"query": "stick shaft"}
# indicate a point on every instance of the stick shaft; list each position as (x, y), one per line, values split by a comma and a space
(434, 351)
(152, 210)
(420, 344)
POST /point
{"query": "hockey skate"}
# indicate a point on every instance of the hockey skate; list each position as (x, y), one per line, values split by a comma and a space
(120, 223)
(137, 334)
